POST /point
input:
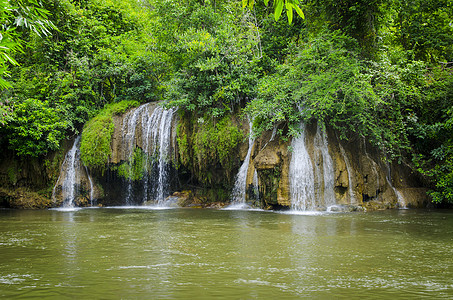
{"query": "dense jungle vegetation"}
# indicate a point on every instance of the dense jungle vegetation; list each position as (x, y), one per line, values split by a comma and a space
(381, 69)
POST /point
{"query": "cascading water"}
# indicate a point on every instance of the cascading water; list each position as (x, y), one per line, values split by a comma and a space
(71, 181)
(311, 183)
(255, 186)
(155, 130)
(240, 184)
(91, 186)
(160, 130)
(327, 168)
(73, 174)
(301, 176)
(128, 130)
(69, 187)
(402, 203)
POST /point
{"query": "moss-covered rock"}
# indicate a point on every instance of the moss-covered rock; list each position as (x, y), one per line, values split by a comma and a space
(208, 148)
(95, 147)
(23, 198)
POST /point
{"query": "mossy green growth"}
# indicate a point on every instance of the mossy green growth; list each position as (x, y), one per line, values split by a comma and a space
(138, 165)
(97, 135)
(270, 182)
(183, 144)
(12, 175)
(214, 143)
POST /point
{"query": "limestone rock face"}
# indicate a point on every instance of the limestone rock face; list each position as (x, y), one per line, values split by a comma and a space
(25, 182)
(362, 177)
(271, 161)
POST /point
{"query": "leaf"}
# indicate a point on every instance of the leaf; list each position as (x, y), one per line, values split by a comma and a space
(244, 3)
(266, 2)
(299, 11)
(251, 3)
(289, 12)
(4, 84)
(10, 59)
(278, 9)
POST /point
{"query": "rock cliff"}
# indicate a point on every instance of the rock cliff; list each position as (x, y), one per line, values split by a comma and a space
(201, 157)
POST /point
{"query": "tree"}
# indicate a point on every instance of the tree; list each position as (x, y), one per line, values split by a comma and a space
(17, 15)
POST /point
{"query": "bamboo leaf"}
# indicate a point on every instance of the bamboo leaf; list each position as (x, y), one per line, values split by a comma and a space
(289, 12)
(299, 11)
(278, 9)
(10, 59)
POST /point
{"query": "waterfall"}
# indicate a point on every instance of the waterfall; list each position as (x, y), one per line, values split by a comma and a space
(154, 128)
(301, 175)
(72, 174)
(240, 184)
(327, 168)
(128, 138)
(402, 203)
(311, 183)
(69, 187)
(255, 186)
(91, 186)
(160, 130)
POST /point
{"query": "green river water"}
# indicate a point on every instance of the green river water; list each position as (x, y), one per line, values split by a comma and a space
(124, 253)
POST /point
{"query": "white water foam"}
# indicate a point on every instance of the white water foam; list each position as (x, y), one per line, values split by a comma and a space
(240, 186)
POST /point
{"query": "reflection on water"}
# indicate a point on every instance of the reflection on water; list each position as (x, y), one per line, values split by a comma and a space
(188, 253)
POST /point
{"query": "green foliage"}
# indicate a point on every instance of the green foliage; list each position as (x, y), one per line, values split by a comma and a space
(214, 64)
(14, 15)
(183, 145)
(213, 143)
(360, 19)
(322, 81)
(431, 133)
(12, 175)
(97, 57)
(36, 128)
(425, 29)
(327, 82)
(216, 141)
(136, 167)
(97, 134)
(212, 59)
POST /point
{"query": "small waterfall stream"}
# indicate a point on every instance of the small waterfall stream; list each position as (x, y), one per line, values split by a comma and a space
(327, 168)
(154, 128)
(69, 187)
(91, 186)
(160, 129)
(72, 170)
(402, 203)
(301, 175)
(240, 184)
(128, 130)
(311, 183)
